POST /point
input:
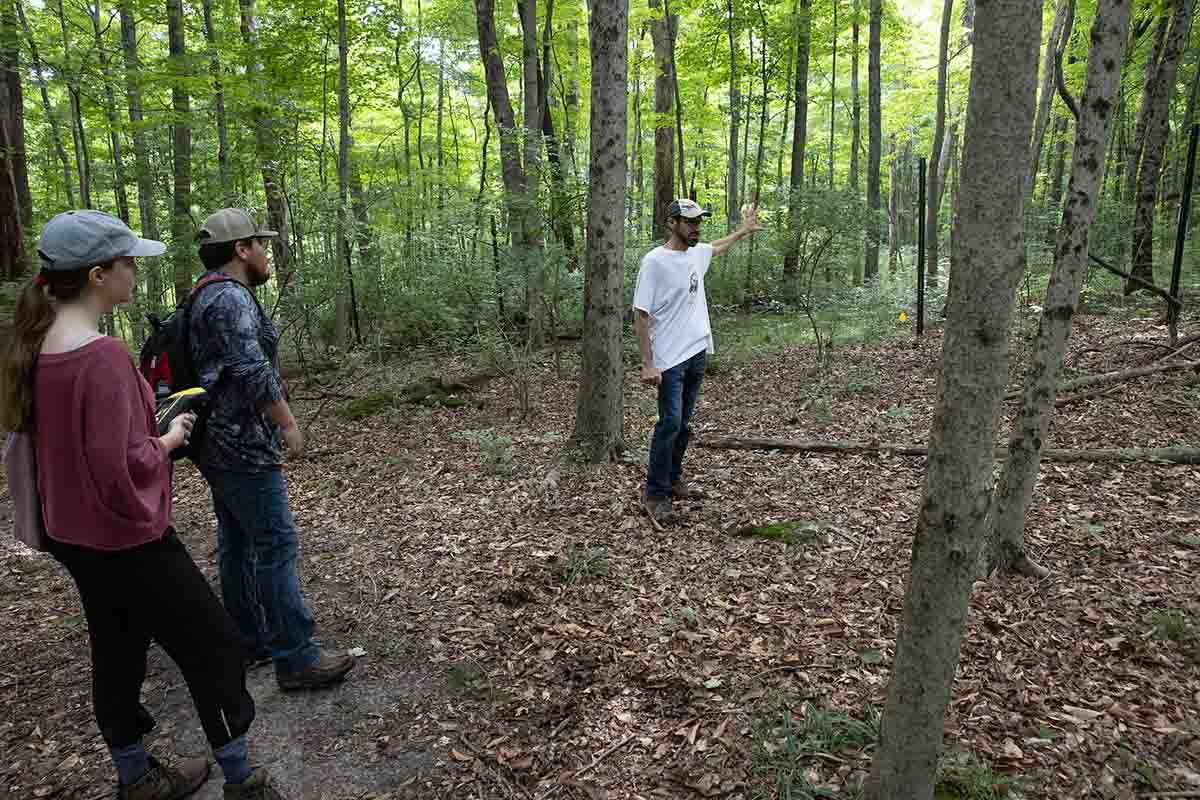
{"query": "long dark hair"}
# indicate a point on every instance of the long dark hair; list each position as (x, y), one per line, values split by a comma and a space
(32, 319)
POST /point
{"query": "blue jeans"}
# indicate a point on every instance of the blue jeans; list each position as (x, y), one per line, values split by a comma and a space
(677, 394)
(257, 545)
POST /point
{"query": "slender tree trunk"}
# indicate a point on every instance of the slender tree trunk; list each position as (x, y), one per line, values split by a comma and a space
(893, 205)
(266, 147)
(1157, 129)
(343, 267)
(791, 256)
(1144, 108)
(441, 157)
(82, 159)
(988, 257)
(637, 167)
(833, 91)
(746, 118)
(787, 100)
(1014, 492)
(214, 66)
(51, 117)
(572, 100)
(182, 226)
(560, 217)
(664, 139)
(855, 105)
(599, 409)
(946, 161)
(16, 207)
(874, 136)
(735, 118)
(364, 236)
(1054, 196)
(147, 207)
(933, 191)
(114, 130)
(535, 264)
(1063, 11)
(672, 30)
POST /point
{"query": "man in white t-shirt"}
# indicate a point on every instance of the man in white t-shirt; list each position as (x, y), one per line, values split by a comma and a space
(671, 319)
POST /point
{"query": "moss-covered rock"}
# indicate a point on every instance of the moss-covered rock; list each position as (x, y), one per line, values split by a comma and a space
(791, 532)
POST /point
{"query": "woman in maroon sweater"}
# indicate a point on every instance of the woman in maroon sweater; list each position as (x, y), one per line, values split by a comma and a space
(105, 479)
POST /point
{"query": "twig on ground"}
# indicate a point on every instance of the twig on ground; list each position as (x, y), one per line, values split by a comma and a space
(584, 770)
(483, 759)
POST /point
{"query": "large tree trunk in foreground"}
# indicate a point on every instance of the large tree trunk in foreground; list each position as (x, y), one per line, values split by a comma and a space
(664, 134)
(935, 175)
(791, 256)
(1014, 492)
(182, 228)
(15, 208)
(988, 258)
(874, 143)
(1157, 130)
(599, 409)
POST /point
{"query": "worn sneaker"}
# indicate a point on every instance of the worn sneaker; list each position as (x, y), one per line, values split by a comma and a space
(328, 670)
(259, 659)
(257, 787)
(687, 491)
(167, 781)
(659, 509)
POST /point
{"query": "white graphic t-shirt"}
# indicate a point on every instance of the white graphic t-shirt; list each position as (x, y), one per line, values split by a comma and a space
(670, 288)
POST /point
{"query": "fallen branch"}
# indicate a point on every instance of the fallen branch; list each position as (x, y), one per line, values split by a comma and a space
(1079, 398)
(1172, 455)
(1115, 377)
(1149, 287)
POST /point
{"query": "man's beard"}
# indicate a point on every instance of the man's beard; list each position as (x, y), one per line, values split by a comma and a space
(693, 239)
(258, 277)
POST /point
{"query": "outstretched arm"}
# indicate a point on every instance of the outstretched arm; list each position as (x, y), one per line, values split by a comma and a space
(750, 225)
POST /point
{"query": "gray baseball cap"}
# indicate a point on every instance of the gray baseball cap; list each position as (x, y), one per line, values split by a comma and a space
(231, 225)
(86, 238)
(684, 207)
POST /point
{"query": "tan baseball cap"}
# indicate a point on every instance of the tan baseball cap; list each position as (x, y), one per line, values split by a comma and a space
(686, 208)
(231, 225)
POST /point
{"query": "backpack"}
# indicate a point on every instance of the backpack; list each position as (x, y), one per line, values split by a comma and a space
(166, 363)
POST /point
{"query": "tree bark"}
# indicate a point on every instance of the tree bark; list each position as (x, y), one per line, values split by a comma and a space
(1054, 195)
(114, 130)
(787, 99)
(1014, 492)
(214, 67)
(82, 160)
(182, 227)
(343, 267)
(664, 138)
(988, 260)
(735, 117)
(1139, 129)
(147, 207)
(874, 143)
(533, 261)
(560, 212)
(267, 150)
(791, 257)
(1157, 129)
(855, 105)
(599, 417)
(16, 209)
(1063, 10)
(673, 30)
(935, 172)
(55, 126)
(893, 206)
(833, 90)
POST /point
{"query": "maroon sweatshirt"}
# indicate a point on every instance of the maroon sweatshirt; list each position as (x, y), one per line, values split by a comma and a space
(105, 479)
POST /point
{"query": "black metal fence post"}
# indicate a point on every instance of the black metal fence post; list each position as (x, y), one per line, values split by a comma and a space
(1185, 211)
(921, 249)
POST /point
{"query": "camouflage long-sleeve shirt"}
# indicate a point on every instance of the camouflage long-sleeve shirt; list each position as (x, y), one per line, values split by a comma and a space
(235, 350)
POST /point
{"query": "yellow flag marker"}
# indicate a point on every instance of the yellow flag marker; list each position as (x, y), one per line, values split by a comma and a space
(903, 317)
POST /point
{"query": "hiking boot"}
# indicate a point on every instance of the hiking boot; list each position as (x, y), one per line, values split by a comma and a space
(328, 670)
(683, 490)
(167, 782)
(659, 509)
(257, 787)
(259, 659)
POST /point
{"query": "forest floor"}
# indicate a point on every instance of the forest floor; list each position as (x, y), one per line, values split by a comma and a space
(526, 640)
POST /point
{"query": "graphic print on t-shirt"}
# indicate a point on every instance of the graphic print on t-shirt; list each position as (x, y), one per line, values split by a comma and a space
(670, 288)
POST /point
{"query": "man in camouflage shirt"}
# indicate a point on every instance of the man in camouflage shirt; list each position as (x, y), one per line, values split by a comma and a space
(234, 348)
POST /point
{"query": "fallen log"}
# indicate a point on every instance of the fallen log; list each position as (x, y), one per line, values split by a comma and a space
(1115, 377)
(1170, 455)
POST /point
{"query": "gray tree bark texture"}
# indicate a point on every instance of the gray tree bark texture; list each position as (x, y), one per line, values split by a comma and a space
(114, 130)
(791, 257)
(874, 142)
(893, 205)
(664, 135)
(55, 127)
(1014, 492)
(934, 175)
(735, 118)
(77, 133)
(1045, 92)
(214, 68)
(15, 212)
(534, 264)
(1157, 131)
(182, 228)
(855, 104)
(1139, 128)
(147, 207)
(341, 264)
(599, 408)
(988, 261)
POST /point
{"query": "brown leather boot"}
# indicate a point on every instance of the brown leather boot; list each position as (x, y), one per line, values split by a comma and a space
(167, 781)
(328, 670)
(257, 787)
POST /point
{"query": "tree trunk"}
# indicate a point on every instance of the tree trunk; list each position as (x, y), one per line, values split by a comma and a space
(1063, 10)
(893, 206)
(874, 143)
(833, 90)
(51, 117)
(82, 160)
(1157, 129)
(946, 161)
(441, 101)
(1054, 195)
(532, 228)
(855, 105)
(787, 100)
(16, 209)
(560, 213)
(147, 207)
(266, 146)
(988, 257)
(1139, 129)
(182, 227)
(214, 66)
(673, 30)
(343, 266)
(637, 169)
(364, 236)
(934, 174)
(735, 118)
(662, 33)
(791, 286)
(114, 131)
(1014, 492)
(599, 414)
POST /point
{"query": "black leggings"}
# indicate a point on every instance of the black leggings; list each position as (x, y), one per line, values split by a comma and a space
(155, 591)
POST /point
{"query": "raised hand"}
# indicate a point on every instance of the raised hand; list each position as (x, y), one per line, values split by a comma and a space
(750, 223)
